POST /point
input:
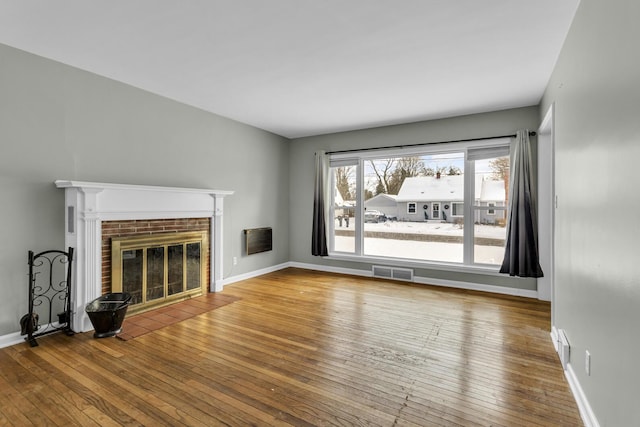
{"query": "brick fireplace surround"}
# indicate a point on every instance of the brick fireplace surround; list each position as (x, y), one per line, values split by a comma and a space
(137, 227)
(94, 212)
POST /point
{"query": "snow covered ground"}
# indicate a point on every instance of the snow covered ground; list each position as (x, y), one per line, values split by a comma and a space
(441, 228)
(433, 251)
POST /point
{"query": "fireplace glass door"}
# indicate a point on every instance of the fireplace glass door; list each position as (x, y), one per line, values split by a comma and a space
(160, 268)
(155, 273)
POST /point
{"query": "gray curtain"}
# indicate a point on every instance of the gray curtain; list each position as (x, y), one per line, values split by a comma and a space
(320, 206)
(521, 252)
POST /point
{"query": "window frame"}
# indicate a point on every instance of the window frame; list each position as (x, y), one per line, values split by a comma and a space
(461, 209)
(415, 208)
(358, 209)
(485, 147)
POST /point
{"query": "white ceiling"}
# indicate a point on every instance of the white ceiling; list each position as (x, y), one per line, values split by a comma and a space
(307, 67)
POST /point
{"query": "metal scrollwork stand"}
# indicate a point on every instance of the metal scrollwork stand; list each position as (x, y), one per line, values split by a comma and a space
(49, 292)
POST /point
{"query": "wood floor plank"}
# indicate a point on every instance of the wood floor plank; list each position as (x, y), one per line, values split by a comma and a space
(301, 390)
(105, 402)
(304, 348)
(12, 407)
(97, 368)
(19, 410)
(308, 367)
(63, 395)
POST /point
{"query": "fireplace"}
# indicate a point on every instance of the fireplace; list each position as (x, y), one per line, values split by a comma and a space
(124, 229)
(143, 211)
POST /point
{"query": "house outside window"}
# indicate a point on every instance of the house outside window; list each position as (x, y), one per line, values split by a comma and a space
(450, 183)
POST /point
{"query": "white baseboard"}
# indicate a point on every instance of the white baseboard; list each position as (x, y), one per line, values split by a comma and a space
(15, 337)
(477, 287)
(588, 417)
(330, 269)
(325, 268)
(256, 273)
(425, 280)
(11, 339)
(586, 413)
(554, 337)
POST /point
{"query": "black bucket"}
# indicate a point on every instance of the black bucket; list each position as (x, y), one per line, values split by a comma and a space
(107, 313)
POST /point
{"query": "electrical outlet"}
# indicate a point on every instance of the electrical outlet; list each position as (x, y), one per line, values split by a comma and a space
(235, 260)
(587, 362)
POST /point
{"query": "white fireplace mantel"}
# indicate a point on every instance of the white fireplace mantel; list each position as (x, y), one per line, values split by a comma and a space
(88, 204)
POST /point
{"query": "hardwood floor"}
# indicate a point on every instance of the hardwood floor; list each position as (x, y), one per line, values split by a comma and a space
(304, 348)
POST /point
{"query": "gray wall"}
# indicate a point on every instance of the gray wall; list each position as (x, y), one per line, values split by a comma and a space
(302, 170)
(58, 122)
(596, 91)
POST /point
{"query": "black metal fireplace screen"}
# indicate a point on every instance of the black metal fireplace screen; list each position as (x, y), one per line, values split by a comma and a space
(49, 295)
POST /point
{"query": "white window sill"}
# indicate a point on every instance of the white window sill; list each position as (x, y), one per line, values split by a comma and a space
(490, 270)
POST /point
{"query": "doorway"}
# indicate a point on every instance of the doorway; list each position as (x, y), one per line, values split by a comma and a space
(435, 210)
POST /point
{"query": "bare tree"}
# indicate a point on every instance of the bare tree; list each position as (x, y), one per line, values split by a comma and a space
(344, 177)
(368, 194)
(383, 170)
(391, 173)
(442, 170)
(500, 168)
(406, 167)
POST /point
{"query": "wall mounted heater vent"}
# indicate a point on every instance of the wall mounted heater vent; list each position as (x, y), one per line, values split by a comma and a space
(564, 349)
(258, 240)
(393, 273)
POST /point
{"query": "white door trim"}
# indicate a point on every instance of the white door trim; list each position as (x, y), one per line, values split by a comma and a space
(546, 207)
(435, 211)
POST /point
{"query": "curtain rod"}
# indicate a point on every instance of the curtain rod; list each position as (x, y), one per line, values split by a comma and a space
(424, 143)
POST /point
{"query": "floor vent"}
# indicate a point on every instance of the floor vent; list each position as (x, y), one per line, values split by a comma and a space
(393, 273)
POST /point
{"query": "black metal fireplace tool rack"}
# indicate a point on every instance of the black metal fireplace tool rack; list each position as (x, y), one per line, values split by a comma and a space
(49, 293)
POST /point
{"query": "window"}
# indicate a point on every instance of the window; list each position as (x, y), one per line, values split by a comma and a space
(433, 204)
(490, 166)
(345, 206)
(457, 209)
